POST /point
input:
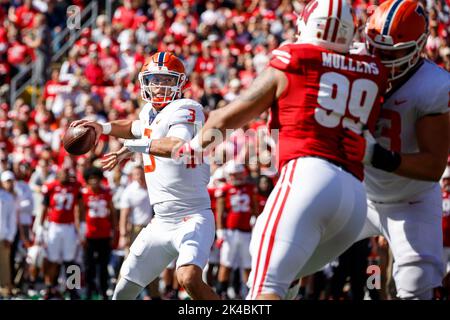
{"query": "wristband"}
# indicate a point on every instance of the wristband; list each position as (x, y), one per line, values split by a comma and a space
(138, 145)
(195, 144)
(384, 159)
(106, 128)
(219, 233)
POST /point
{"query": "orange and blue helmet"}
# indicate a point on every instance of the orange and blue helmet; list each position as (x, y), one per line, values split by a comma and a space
(398, 25)
(162, 78)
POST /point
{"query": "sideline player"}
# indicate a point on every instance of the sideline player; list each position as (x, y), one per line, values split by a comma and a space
(446, 228)
(62, 197)
(183, 226)
(236, 203)
(316, 91)
(97, 213)
(410, 152)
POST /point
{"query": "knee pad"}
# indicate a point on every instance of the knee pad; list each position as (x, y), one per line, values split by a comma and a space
(416, 281)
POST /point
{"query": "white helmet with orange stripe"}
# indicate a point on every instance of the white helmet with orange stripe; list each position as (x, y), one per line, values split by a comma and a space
(327, 23)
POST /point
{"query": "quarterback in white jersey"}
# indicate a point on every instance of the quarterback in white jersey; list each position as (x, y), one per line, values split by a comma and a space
(183, 225)
(409, 155)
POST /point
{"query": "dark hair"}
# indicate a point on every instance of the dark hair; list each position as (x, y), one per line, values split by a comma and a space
(270, 183)
(92, 172)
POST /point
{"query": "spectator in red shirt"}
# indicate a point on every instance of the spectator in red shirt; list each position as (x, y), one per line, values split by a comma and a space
(18, 54)
(93, 71)
(22, 16)
(206, 63)
(52, 88)
(124, 15)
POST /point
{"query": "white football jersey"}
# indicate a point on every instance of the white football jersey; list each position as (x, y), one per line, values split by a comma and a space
(426, 92)
(168, 180)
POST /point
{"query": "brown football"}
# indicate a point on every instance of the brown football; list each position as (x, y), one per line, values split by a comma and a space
(79, 140)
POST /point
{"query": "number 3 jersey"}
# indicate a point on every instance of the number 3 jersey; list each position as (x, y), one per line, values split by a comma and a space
(326, 92)
(183, 184)
(426, 92)
(61, 199)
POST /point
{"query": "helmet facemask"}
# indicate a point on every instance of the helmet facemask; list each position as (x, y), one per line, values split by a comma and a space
(397, 64)
(161, 87)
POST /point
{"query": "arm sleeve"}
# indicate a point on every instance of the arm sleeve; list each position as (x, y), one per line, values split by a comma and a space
(439, 102)
(188, 114)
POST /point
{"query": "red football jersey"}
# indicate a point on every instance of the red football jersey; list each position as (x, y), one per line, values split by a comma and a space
(214, 193)
(238, 206)
(446, 218)
(212, 197)
(98, 220)
(61, 200)
(262, 200)
(326, 93)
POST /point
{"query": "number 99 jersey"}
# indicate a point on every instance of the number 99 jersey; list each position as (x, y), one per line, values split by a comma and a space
(326, 92)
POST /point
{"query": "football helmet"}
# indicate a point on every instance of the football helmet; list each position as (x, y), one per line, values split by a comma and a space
(327, 23)
(162, 78)
(235, 173)
(397, 26)
(217, 178)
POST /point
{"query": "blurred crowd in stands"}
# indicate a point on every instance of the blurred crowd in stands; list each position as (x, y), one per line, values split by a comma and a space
(224, 45)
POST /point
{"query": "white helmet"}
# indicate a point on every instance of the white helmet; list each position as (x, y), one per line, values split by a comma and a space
(218, 175)
(235, 172)
(327, 23)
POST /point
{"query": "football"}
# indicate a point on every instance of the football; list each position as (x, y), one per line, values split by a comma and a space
(79, 140)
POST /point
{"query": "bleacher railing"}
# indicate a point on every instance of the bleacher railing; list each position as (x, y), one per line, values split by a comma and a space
(63, 42)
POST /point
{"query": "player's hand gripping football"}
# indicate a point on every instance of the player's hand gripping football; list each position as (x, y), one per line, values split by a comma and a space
(112, 159)
(88, 123)
(358, 148)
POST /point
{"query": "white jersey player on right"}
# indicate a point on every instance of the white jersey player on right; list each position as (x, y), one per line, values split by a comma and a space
(409, 155)
(183, 225)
